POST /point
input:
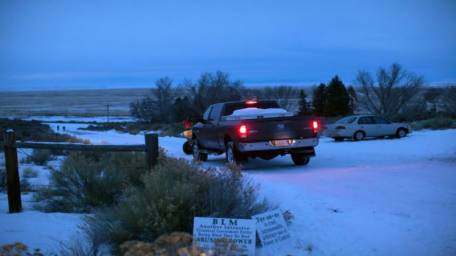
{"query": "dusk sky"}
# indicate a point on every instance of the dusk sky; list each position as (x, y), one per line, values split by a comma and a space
(114, 44)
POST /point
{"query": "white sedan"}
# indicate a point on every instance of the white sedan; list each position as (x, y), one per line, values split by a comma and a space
(358, 127)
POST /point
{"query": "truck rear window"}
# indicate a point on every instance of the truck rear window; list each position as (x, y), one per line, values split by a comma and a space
(231, 107)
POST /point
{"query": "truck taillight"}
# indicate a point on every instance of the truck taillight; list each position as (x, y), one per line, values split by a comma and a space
(315, 126)
(243, 131)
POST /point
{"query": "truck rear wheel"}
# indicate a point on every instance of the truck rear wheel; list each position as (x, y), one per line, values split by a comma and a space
(187, 148)
(197, 154)
(300, 158)
(232, 155)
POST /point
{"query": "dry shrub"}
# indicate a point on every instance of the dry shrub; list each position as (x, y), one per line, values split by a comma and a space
(18, 249)
(2, 179)
(39, 156)
(29, 173)
(437, 123)
(89, 180)
(173, 194)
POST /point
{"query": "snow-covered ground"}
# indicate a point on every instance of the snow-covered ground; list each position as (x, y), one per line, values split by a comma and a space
(96, 119)
(374, 197)
(49, 232)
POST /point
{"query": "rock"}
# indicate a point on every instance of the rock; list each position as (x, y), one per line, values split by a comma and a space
(176, 243)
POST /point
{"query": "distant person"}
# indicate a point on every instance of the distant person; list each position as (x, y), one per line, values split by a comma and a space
(58, 127)
(63, 128)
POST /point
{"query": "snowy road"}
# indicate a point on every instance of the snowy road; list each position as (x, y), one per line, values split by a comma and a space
(376, 197)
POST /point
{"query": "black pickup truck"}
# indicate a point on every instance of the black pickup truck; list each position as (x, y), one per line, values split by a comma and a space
(252, 128)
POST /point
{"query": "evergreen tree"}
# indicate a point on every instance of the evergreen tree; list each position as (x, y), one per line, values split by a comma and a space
(337, 99)
(353, 98)
(319, 99)
(303, 105)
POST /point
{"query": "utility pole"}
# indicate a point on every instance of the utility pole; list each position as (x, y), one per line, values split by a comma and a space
(107, 112)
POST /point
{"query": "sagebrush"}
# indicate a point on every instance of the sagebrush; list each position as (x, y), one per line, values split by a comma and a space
(39, 156)
(90, 180)
(174, 193)
(435, 123)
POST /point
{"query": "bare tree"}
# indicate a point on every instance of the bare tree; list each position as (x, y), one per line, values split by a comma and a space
(287, 96)
(155, 108)
(449, 100)
(394, 88)
(164, 97)
(212, 88)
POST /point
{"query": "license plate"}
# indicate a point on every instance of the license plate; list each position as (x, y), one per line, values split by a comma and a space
(279, 143)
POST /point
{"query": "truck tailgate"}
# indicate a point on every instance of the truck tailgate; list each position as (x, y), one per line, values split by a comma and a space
(293, 127)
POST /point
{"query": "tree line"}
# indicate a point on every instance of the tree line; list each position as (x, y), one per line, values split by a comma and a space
(392, 92)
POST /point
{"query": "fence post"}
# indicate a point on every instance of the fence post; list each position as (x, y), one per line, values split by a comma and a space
(151, 141)
(12, 172)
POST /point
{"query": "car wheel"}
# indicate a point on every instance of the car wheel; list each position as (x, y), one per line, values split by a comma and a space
(401, 132)
(232, 156)
(187, 148)
(338, 139)
(196, 152)
(300, 158)
(359, 135)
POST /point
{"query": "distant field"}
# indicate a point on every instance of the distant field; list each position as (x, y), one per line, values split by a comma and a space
(67, 103)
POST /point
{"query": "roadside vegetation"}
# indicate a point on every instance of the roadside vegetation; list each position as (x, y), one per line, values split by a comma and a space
(392, 92)
(173, 194)
(437, 123)
(87, 180)
(33, 131)
(39, 157)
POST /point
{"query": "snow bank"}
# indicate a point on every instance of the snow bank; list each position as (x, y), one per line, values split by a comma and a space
(96, 119)
(251, 113)
(47, 231)
(258, 111)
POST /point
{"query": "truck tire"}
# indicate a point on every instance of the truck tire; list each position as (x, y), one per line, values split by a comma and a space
(300, 158)
(187, 148)
(232, 155)
(196, 152)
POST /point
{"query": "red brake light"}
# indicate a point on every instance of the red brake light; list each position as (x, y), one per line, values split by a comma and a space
(315, 126)
(243, 131)
(251, 102)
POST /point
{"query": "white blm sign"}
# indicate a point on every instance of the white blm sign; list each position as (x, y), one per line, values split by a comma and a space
(239, 233)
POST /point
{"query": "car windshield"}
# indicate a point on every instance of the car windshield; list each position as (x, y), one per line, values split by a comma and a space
(346, 120)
